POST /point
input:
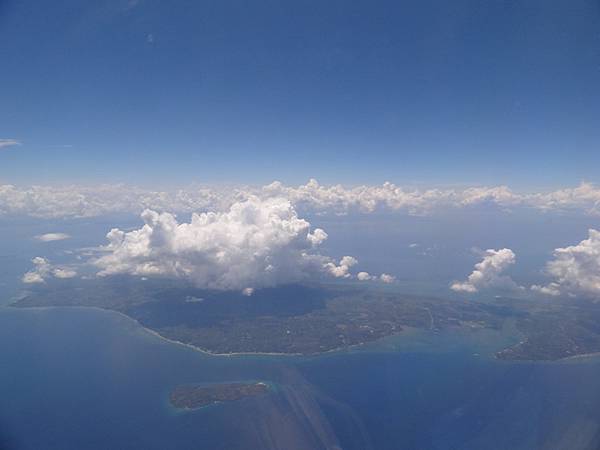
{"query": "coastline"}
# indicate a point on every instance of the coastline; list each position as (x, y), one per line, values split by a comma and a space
(573, 358)
(191, 346)
(580, 356)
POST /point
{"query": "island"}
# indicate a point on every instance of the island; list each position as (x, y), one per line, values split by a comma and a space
(291, 320)
(192, 397)
(314, 319)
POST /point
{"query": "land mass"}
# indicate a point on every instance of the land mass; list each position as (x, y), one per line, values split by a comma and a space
(286, 320)
(191, 396)
(311, 320)
(557, 330)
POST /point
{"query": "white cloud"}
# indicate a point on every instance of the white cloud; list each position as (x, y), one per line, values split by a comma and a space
(49, 237)
(384, 277)
(89, 201)
(43, 270)
(5, 143)
(575, 269)
(387, 278)
(498, 195)
(338, 199)
(586, 196)
(341, 270)
(256, 243)
(63, 272)
(550, 289)
(488, 273)
(32, 277)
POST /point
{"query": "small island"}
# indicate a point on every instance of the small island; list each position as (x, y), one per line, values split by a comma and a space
(192, 397)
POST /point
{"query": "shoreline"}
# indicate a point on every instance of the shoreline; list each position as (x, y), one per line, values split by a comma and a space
(580, 356)
(191, 346)
(563, 359)
(207, 352)
(243, 354)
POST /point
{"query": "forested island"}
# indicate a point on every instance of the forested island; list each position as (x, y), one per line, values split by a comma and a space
(192, 397)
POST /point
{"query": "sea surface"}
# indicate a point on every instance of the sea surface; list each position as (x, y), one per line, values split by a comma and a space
(75, 378)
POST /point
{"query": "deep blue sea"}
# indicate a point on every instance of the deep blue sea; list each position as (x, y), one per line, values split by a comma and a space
(75, 378)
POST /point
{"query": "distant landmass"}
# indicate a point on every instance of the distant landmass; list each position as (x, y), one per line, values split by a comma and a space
(191, 397)
(312, 320)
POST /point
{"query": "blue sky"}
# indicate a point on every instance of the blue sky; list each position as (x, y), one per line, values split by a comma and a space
(414, 92)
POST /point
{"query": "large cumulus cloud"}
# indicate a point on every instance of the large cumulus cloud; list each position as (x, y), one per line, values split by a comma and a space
(488, 273)
(256, 243)
(575, 269)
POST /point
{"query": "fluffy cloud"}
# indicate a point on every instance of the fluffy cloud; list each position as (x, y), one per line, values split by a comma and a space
(364, 276)
(387, 278)
(338, 199)
(256, 243)
(82, 201)
(50, 237)
(586, 196)
(341, 270)
(384, 277)
(43, 270)
(575, 269)
(92, 201)
(488, 273)
(4, 143)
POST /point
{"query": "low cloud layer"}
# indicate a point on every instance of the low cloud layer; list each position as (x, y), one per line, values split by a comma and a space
(256, 243)
(575, 269)
(50, 237)
(80, 201)
(43, 270)
(488, 273)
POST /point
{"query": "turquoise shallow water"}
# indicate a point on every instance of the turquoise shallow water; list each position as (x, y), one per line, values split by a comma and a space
(83, 378)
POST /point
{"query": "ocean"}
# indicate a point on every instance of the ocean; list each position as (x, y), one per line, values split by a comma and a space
(75, 378)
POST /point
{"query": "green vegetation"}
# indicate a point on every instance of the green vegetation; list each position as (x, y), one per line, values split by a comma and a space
(311, 320)
(190, 397)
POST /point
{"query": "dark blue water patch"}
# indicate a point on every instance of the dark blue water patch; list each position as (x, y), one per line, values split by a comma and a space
(397, 396)
(453, 400)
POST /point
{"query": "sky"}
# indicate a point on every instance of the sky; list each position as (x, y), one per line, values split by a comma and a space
(416, 92)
